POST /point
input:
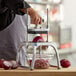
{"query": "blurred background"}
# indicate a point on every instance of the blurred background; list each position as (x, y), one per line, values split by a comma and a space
(61, 21)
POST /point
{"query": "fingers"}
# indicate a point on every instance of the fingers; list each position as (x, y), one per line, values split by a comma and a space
(35, 17)
(36, 20)
(40, 22)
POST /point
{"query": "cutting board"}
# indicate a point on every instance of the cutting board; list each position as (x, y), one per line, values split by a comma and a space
(71, 71)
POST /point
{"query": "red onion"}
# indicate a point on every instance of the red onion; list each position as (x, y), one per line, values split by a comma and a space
(7, 65)
(38, 39)
(14, 64)
(65, 63)
(40, 64)
(1, 63)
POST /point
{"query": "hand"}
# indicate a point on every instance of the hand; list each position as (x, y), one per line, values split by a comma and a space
(35, 18)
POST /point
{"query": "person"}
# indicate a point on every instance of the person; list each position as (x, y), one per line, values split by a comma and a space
(13, 26)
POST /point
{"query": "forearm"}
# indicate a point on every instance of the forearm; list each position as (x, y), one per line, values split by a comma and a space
(29, 10)
(35, 17)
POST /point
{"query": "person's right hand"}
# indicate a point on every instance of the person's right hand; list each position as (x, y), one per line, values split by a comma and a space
(35, 17)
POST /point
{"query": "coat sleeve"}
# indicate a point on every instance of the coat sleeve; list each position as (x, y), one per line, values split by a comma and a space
(15, 5)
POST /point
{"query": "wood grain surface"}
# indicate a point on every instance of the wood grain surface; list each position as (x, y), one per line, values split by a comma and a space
(39, 72)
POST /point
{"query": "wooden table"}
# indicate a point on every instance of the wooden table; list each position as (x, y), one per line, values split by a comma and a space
(39, 72)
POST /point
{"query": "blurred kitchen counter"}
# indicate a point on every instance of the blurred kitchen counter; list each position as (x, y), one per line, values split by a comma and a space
(39, 72)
